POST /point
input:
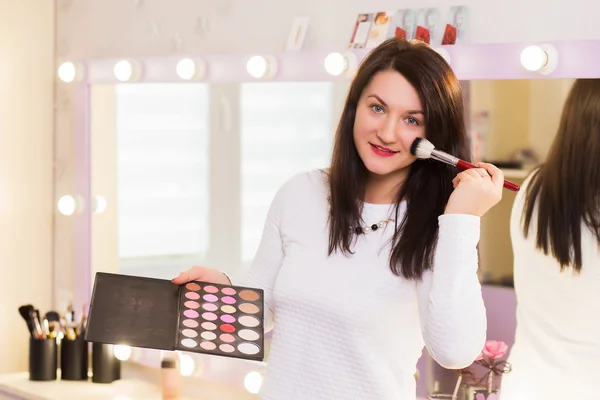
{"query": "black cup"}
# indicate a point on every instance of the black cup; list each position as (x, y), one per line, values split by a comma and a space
(74, 359)
(106, 368)
(43, 359)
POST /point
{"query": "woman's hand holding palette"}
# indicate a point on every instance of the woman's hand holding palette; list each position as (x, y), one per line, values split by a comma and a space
(199, 317)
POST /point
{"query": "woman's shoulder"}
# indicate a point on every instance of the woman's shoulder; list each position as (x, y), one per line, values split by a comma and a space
(307, 181)
(303, 185)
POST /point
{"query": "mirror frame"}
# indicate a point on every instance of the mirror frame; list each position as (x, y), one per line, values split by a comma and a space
(501, 61)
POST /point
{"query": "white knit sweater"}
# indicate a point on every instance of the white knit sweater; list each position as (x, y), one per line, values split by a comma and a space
(346, 328)
(557, 341)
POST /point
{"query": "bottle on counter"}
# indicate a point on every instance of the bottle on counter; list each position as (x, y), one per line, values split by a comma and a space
(170, 376)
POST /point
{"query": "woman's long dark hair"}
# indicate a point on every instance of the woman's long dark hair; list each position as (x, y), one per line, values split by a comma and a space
(429, 183)
(566, 189)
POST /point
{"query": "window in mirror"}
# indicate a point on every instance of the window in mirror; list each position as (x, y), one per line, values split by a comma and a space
(286, 128)
(163, 170)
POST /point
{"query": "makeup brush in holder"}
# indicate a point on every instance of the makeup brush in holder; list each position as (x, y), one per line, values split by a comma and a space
(424, 149)
(43, 349)
(74, 348)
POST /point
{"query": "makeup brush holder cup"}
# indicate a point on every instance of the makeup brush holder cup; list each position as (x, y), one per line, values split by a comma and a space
(43, 359)
(106, 368)
(74, 359)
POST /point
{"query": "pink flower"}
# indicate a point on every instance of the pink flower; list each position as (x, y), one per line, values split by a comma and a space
(494, 349)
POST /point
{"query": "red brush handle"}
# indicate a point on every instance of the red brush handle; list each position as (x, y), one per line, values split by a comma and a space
(462, 165)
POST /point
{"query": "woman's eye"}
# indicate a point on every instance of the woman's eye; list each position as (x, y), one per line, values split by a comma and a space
(412, 121)
(377, 109)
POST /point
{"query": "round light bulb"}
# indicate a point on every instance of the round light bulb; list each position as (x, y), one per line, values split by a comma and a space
(186, 69)
(122, 352)
(335, 64)
(534, 58)
(67, 72)
(187, 365)
(123, 70)
(67, 205)
(253, 381)
(99, 204)
(257, 66)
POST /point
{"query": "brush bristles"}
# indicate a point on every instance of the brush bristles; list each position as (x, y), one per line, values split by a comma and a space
(421, 148)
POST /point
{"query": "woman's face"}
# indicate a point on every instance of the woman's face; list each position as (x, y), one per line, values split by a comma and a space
(389, 116)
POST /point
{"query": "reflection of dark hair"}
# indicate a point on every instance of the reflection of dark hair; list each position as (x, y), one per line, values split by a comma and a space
(566, 189)
(429, 184)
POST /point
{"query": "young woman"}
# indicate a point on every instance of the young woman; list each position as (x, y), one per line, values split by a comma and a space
(555, 230)
(364, 263)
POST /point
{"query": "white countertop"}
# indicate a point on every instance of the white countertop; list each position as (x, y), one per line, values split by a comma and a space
(19, 386)
(138, 383)
(135, 386)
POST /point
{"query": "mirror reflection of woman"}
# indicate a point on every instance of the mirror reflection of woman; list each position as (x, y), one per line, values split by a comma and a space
(555, 230)
(366, 262)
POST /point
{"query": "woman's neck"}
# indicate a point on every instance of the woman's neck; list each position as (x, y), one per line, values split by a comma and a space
(384, 189)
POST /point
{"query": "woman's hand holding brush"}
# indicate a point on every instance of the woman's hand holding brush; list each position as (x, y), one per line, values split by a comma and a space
(476, 190)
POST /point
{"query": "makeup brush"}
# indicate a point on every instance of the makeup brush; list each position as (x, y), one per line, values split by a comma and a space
(424, 149)
(24, 312)
(53, 321)
(37, 325)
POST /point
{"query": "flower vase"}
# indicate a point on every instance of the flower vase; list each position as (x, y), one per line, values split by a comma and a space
(478, 393)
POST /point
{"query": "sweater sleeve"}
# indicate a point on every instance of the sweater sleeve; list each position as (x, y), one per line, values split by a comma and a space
(451, 309)
(269, 256)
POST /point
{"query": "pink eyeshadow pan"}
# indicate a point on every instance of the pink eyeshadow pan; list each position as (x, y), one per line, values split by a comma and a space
(208, 345)
(191, 304)
(190, 323)
(209, 316)
(192, 295)
(210, 307)
(228, 291)
(191, 313)
(227, 348)
(228, 318)
(210, 289)
(210, 297)
(228, 300)
(227, 338)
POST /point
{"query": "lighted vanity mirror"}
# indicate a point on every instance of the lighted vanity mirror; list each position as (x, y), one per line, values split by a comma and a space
(183, 173)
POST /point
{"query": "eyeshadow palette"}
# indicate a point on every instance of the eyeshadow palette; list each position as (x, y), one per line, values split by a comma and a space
(197, 317)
